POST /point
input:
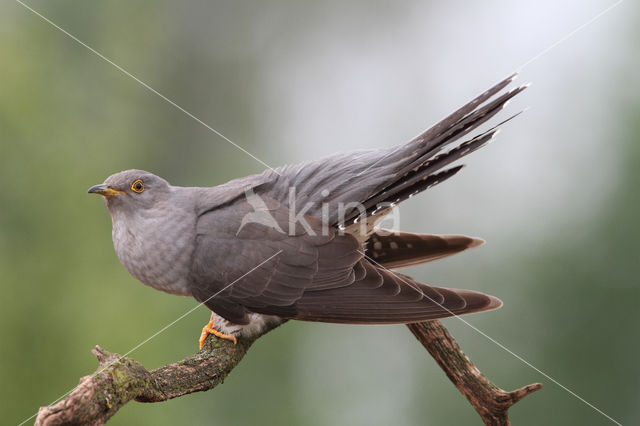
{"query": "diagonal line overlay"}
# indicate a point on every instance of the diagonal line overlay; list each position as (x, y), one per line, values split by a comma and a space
(163, 329)
(503, 347)
(145, 85)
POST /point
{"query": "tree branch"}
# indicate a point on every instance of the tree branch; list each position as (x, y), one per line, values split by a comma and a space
(119, 380)
(489, 401)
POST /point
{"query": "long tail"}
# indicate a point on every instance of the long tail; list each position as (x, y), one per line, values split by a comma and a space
(418, 164)
(395, 250)
(369, 179)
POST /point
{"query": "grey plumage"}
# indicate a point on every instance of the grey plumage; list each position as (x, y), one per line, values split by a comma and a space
(197, 241)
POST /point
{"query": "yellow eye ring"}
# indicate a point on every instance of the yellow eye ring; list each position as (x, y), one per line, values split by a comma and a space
(137, 186)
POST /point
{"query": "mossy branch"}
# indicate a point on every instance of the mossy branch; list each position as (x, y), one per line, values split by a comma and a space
(119, 380)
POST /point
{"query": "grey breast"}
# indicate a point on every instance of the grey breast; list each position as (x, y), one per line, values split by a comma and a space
(156, 245)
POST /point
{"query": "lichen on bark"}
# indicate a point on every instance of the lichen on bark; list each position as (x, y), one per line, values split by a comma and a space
(119, 380)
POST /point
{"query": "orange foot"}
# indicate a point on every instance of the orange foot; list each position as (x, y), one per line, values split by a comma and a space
(209, 329)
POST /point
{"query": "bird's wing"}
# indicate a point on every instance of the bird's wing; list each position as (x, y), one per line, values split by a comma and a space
(384, 297)
(265, 263)
(303, 274)
(389, 175)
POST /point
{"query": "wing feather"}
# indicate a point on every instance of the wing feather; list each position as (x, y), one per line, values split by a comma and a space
(317, 278)
(320, 274)
(396, 250)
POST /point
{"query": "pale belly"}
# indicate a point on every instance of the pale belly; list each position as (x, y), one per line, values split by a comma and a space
(257, 324)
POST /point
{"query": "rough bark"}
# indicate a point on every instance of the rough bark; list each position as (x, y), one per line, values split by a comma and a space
(491, 402)
(119, 380)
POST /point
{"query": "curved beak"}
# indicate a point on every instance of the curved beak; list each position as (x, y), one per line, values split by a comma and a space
(104, 190)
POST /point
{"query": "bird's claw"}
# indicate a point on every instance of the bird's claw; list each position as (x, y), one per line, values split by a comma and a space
(209, 329)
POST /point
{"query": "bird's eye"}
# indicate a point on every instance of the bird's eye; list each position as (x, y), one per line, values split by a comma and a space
(137, 186)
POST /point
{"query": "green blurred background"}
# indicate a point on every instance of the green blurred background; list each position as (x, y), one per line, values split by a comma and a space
(556, 196)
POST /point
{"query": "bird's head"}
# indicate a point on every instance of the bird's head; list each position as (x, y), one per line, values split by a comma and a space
(132, 190)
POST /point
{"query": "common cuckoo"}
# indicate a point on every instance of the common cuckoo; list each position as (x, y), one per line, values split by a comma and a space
(302, 242)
